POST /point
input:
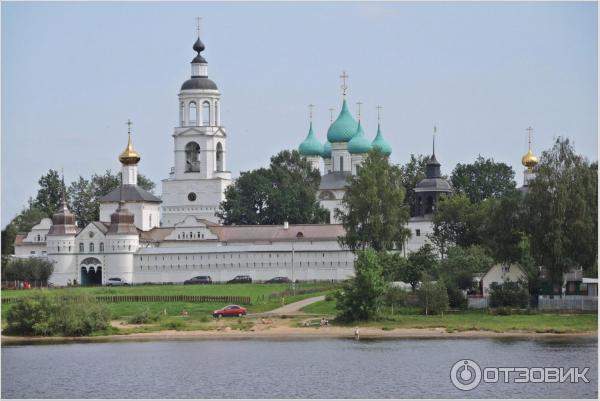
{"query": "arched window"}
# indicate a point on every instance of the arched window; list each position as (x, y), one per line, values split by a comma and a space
(192, 114)
(81, 248)
(102, 247)
(341, 163)
(192, 157)
(219, 157)
(206, 113)
(91, 247)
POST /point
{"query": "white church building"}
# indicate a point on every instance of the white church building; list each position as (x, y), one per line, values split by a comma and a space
(142, 238)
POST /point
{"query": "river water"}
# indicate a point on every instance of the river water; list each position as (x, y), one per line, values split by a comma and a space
(312, 368)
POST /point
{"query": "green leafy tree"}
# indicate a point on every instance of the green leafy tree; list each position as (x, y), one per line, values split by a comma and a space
(362, 295)
(411, 173)
(286, 191)
(563, 211)
(462, 263)
(457, 221)
(50, 194)
(83, 202)
(373, 214)
(27, 269)
(433, 296)
(483, 179)
(509, 294)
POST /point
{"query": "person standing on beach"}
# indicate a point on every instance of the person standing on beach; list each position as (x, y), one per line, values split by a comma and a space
(356, 333)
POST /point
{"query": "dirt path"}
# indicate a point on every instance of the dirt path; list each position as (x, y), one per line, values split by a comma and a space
(294, 308)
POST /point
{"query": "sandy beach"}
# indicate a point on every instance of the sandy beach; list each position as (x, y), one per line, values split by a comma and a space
(286, 332)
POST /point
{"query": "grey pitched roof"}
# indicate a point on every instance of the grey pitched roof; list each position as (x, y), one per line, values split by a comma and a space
(335, 180)
(131, 193)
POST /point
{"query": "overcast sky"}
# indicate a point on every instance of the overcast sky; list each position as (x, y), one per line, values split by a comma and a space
(73, 73)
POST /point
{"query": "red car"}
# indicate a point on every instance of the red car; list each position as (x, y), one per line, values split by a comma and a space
(231, 310)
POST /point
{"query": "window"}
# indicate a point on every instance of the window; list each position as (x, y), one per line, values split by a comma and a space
(32, 252)
(505, 269)
(341, 163)
(418, 232)
(81, 248)
(192, 157)
(102, 247)
(206, 113)
(91, 247)
(192, 114)
(150, 221)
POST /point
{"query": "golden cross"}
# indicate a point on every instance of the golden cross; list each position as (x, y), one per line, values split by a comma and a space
(331, 110)
(310, 111)
(344, 77)
(198, 19)
(359, 104)
(529, 130)
(378, 113)
(129, 124)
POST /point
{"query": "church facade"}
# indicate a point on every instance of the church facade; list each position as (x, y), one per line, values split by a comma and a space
(142, 238)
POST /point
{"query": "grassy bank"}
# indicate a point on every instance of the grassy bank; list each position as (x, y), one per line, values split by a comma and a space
(198, 316)
(474, 320)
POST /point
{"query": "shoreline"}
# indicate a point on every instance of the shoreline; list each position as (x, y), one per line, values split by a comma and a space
(292, 333)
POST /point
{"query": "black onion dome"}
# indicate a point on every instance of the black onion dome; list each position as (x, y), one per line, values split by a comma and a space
(122, 221)
(199, 83)
(199, 60)
(199, 46)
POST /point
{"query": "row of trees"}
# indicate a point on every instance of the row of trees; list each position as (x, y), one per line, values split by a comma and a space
(82, 197)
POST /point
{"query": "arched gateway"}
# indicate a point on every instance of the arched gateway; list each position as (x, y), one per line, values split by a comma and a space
(91, 272)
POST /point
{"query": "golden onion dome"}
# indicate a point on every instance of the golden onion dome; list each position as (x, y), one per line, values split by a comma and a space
(529, 160)
(129, 156)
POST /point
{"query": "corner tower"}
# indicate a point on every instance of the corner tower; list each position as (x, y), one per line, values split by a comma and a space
(199, 177)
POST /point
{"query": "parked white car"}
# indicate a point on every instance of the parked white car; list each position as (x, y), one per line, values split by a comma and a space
(116, 281)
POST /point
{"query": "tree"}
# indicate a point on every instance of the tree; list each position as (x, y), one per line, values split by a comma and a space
(417, 264)
(362, 295)
(462, 263)
(373, 213)
(562, 207)
(483, 179)
(50, 194)
(457, 221)
(411, 174)
(286, 191)
(504, 227)
(433, 296)
(83, 202)
(28, 269)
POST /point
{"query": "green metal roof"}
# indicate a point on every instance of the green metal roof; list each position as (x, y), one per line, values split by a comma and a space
(311, 146)
(343, 128)
(380, 143)
(360, 143)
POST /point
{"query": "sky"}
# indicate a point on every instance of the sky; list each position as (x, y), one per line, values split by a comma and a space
(73, 73)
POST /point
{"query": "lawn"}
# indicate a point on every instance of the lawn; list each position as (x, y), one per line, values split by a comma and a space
(475, 320)
(264, 297)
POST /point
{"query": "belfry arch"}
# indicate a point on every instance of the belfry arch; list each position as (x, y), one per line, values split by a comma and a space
(192, 157)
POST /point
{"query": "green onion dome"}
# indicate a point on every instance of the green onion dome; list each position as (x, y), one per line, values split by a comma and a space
(380, 143)
(311, 146)
(343, 128)
(360, 143)
(326, 150)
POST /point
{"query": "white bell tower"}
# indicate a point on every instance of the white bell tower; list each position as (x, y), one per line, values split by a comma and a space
(197, 182)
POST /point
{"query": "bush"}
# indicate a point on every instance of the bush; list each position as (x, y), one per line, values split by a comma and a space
(509, 294)
(433, 297)
(144, 317)
(27, 269)
(456, 297)
(46, 315)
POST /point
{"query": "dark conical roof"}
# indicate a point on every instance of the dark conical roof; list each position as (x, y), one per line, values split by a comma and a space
(63, 222)
(121, 221)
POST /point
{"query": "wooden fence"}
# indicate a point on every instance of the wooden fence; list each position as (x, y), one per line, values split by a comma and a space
(151, 298)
